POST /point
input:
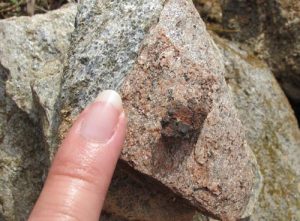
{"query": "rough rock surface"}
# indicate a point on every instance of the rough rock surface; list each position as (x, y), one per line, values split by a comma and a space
(30, 50)
(271, 131)
(34, 51)
(134, 198)
(270, 29)
(22, 160)
(183, 128)
(25, 152)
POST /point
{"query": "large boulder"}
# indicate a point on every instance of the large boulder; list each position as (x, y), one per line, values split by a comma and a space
(271, 131)
(269, 29)
(183, 128)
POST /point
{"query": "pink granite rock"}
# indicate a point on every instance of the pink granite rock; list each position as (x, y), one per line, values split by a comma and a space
(183, 129)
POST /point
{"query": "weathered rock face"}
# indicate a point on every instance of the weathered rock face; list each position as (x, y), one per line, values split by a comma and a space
(270, 30)
(25, 152)
(271, 131)
(30, 49)
(191, 138)
(22, 160)
(34, 51)
(183, 128)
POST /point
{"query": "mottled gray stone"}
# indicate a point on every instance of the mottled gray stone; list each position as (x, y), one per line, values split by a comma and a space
(30, 49)
(22, 159)
(268, 29)
(104, 46)
(271, 131)
(45, 94)
(3, 78)
(32, 55)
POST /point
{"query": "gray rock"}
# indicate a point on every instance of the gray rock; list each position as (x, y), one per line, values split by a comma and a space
(45, 94)
(105, 55)
(269, 29)
(22, 159)
(271, 131)
(160, 57)
(34, 51)
(33, 48)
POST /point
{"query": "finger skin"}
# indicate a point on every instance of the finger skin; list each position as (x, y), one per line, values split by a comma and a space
(81, 171)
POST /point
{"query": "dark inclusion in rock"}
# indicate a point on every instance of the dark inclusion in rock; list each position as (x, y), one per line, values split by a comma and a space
(181, 124)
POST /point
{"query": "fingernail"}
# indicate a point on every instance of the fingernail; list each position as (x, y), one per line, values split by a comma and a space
(102, 117)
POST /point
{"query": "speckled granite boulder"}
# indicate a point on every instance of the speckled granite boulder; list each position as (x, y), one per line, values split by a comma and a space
(183, 128)
(271, 131)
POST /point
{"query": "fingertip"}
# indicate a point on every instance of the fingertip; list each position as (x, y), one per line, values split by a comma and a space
(111, 97)
(85, 161)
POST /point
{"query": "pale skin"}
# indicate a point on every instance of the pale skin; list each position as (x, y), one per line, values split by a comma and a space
(82, 169)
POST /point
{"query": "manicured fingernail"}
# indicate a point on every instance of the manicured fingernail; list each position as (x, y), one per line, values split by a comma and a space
(102, 117)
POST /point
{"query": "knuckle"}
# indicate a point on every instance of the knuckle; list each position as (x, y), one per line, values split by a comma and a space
(72, 171)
